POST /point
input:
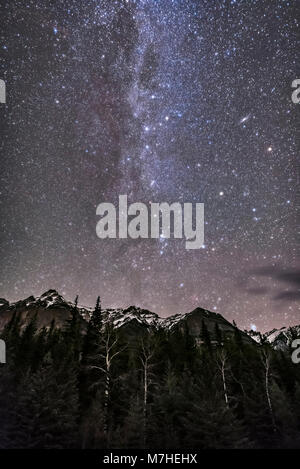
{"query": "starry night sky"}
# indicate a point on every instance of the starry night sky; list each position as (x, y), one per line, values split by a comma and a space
(166, 101)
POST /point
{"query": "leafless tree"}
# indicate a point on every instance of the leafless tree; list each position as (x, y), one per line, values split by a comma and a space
(222, 365)
(266, 361)
(102, 362)
(146, 359)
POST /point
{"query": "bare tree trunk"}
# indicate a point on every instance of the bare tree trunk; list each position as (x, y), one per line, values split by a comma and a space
(222, 367)
(145, 404)
(108, 346)
(224, 385)
(239, 383)
(146, 357)
(106, 403)
(266, 359)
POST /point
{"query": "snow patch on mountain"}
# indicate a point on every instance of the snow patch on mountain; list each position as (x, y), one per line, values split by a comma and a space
(119, 317)
(280, 339)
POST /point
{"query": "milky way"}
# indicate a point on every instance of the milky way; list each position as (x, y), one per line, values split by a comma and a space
(165, 101)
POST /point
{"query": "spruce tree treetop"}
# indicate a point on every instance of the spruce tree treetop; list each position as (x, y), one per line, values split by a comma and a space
(96, 319)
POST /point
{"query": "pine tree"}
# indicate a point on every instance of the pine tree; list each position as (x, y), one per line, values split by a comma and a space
(96, 319)
(218, 334)
(47, 409)
(286, 420)
(205, 335)
(25, 351)
(210, 423)
(91, 344)
(8, 396)
(168, 405)
(40, 348)
(93, 333)
(11, 334)
(130, 435)
(72, 336)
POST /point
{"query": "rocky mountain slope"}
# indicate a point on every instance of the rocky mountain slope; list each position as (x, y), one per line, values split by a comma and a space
(52, 306)
(280, 339)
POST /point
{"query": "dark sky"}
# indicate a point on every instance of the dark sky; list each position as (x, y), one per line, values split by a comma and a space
(166, 101)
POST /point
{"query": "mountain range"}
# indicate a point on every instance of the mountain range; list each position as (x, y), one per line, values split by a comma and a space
(133, 320)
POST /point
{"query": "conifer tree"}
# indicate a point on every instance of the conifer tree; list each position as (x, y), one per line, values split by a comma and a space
(96, 319)
(218, 335)
(130, 435)
(205, 334)
(26, 346)
(91, 343)
(210, 423)
(47, 409)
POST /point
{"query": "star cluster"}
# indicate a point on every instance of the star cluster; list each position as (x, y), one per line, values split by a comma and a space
(166, 101)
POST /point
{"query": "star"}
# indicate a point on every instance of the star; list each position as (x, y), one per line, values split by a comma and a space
(245, 118)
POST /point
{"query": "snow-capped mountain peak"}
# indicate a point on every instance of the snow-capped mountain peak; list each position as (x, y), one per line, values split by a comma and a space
(53, 306)
(51, 297)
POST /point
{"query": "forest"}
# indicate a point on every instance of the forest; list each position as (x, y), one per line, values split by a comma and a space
(65, 387)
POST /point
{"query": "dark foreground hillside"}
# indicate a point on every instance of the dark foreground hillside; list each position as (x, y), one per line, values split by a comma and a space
(91, 384)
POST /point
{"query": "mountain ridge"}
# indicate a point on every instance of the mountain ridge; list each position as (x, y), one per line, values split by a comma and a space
(51, 305)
